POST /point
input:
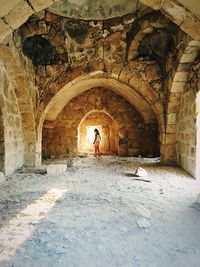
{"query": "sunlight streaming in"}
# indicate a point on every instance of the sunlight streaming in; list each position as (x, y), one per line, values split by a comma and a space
(20, 228)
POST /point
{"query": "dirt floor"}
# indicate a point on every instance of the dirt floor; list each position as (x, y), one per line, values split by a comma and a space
(98, 213)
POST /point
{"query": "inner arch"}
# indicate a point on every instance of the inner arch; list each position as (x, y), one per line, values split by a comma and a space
(98, 79)
(135, 136)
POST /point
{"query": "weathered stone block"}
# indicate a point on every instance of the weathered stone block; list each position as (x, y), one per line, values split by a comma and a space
(19, 15)
(40, 4)
(188, 57)
(152, 73)
(139, 36)
(181, 76)
(5, 30)
(170, 138)
(147, 91)
(174, 11)
(125, 75)
(135, 81)
(191, 25)
(171, 128)
(155, 4)
(171, 118)
(116, 71)
(7, 6)
(174, 98)
(14, 108)
(146, 27)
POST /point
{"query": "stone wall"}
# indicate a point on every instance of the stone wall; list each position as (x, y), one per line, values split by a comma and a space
(186, 126)
(187, 133)
(60, 136)
(11, 132)
(138, 49)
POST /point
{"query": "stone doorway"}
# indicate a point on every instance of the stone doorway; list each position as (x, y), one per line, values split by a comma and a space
(2, 150)
(108, 129)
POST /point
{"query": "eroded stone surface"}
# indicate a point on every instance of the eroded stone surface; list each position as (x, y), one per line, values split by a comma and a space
(56, 168)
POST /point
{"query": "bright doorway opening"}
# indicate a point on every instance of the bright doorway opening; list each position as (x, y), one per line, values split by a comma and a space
(108, 129)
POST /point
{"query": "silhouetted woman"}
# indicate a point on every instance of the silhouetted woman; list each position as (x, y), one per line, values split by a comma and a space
(96, 142)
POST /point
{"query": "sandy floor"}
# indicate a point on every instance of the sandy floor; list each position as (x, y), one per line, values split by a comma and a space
(99, 214)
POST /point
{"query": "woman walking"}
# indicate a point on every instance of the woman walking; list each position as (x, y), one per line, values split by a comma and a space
(96, 143)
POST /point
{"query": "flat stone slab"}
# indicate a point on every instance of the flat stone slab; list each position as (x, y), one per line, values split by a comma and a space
(56, 168)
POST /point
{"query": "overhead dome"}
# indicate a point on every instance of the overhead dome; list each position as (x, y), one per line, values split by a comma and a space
(94, 9)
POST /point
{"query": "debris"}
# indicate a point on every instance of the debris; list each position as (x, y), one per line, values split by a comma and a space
(141, 172)
(142, 180)
(143, 212)
(56, 168)
(143, 223)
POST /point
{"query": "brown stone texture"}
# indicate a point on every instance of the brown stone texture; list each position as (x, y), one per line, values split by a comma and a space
(60, 137)
(59, 70)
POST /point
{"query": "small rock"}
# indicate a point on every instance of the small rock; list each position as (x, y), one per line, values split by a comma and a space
(2, 177)
(56, 168)
(141, 172)
(143, 212)
(143, 223)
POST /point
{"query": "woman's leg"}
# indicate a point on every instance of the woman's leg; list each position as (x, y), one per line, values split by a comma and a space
(98, 151)
(95, 150)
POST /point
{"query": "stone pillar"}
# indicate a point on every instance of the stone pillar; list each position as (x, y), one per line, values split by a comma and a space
(168, 152)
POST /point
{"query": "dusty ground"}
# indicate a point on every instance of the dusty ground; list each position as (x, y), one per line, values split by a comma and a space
(99, 214)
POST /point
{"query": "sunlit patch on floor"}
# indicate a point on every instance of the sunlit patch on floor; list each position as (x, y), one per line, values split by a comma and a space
(19, 229)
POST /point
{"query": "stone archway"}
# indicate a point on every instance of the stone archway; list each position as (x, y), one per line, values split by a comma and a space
(180, 15)
(108, 128)
(178, 83)
(136, 136)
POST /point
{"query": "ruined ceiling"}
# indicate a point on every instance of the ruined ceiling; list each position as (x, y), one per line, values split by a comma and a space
(94, 9)
(105, 9)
